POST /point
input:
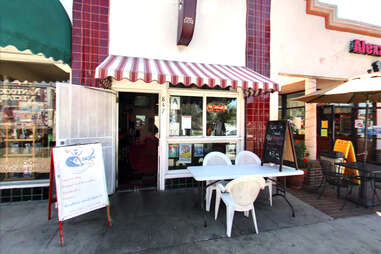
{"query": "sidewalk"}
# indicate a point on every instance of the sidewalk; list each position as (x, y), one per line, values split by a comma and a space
(171, 222)
(361, 234)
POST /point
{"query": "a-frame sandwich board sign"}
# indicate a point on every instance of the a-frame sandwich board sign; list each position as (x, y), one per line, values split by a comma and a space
(77, 178)
(279, 144)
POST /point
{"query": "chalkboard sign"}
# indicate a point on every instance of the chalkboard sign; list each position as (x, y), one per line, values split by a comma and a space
(278, 144)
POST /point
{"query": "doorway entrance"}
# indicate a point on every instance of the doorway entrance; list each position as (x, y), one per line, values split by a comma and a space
(334, 122)
(138, 141)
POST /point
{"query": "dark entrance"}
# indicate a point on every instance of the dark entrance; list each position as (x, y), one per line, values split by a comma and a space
(334, 122)
(138, 141)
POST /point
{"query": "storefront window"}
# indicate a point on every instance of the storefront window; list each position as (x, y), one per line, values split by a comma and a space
(221, 116)
(292, 110)
(360, 120)
(185, 117)
(181, 156)
(26, 131)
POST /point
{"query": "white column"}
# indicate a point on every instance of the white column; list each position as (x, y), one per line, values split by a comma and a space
(163, 144)
(310, 121)
(274, 105)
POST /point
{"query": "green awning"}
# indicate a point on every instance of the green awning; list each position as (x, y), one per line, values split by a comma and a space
(42, 26)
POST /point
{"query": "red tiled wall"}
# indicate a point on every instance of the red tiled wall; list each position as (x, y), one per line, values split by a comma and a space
(257, 58)
(90, 38)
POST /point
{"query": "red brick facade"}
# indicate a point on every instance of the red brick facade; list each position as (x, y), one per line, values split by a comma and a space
(257, 109)
(90, 39)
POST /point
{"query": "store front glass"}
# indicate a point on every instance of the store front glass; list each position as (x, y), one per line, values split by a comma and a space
(208, 117)
(185, 116)
(372, 131)
(27, 120)
(221, 116)
(293, 111)
(335, 121)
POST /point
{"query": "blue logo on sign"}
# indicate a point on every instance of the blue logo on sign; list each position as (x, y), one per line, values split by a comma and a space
(80, 158)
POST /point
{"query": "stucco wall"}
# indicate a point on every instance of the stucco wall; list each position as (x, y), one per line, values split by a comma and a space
(148, 28)
(300, 44)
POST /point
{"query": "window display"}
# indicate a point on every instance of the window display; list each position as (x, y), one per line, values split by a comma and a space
(185, 116)
(221, 116)
(26, 130)
(181, 156)
(292, 110)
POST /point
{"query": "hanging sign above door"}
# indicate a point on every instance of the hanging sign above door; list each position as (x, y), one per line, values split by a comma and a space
(187, 20)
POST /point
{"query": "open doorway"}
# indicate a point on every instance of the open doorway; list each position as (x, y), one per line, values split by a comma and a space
(138, 141)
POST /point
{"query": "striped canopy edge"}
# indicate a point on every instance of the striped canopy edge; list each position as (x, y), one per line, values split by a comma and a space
(187, 73)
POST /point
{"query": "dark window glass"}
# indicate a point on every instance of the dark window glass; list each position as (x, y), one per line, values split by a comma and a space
(185, 118)
(221, 116)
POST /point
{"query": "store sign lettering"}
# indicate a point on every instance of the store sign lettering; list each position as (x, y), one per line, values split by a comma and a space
(216, 108)
(188, 20)
(14, 94)
(361, 47)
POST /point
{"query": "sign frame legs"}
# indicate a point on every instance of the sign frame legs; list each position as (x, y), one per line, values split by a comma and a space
(52, 201)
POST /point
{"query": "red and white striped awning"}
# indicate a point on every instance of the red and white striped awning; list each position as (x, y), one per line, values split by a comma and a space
(175, 72)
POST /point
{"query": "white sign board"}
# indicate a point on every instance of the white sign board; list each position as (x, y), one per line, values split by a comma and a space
(80, 179)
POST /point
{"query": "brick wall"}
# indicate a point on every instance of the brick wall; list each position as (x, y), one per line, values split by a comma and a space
(90, 38)
(257, 58)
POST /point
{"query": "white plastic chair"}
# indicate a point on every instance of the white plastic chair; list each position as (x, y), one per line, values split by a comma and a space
(247, 157)
(239, 195)
(213, 158)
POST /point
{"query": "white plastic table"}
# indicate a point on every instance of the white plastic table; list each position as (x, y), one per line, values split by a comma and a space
(217, 173)
(224, 172)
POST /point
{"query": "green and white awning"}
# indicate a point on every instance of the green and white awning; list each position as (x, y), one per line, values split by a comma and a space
(41, 26)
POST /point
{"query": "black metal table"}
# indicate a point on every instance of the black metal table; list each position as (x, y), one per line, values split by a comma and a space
(366, 169)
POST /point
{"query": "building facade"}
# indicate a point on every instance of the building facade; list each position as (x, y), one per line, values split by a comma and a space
(156, 106)
(208, 117)
(313, 49)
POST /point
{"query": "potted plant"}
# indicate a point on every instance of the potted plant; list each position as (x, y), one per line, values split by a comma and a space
(296, 182)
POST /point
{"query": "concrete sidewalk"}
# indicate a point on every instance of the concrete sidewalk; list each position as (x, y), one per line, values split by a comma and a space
(361, 234)
(171, 222)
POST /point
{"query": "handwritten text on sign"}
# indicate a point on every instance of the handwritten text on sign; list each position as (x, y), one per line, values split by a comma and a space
(80, 179)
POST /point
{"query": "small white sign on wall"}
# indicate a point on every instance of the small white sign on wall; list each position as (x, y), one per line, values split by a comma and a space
(80, 179)
(359, 123)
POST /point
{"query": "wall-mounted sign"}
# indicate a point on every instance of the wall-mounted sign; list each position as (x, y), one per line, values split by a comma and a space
(216, 107)
(175, 103)
(22, 93)
(364, 48)
(187, 20)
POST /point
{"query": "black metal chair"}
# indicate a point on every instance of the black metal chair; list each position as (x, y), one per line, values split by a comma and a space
(332, 175)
